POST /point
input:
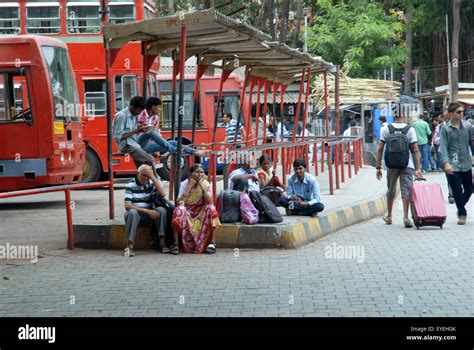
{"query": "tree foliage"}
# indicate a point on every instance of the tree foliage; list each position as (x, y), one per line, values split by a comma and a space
(356, 35)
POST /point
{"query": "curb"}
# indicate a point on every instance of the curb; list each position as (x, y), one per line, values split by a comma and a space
(286, 236)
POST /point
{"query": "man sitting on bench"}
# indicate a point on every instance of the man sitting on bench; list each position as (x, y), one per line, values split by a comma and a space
(302, 193)
(151, 140)
(125, 131)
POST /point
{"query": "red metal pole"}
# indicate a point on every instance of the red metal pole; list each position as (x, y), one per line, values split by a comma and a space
(349, 161)
(336, 165)
(356, 158)
(305, 111)
(257, 111)
(315, 159)
(283, 150)
(292, 150)
(326, 103)
(341, 161)
(70, 232)
(248, 126)
(323, 150)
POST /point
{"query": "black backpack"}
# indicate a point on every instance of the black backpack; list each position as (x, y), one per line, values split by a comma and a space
(229, 206)
(397, 148)
(274, 193)
(267, 211)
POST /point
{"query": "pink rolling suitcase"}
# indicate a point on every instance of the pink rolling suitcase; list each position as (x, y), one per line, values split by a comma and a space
(427, 205)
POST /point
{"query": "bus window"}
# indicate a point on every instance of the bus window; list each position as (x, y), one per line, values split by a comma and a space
(126, 87)
(229, 104)
(4, 115)
(14, 97)
(95, 98)
(43, 18)
(166, 110)
(63, 86)
(9, 18)
(151, 88)
(149, 11)
(83, 18)
(121, 11)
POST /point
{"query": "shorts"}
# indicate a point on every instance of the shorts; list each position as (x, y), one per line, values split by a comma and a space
(406, 181)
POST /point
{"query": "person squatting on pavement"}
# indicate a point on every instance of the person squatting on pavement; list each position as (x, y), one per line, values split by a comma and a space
(125, 131)
(139, 207)
(456, 156)
(303, 196)
(404, 171)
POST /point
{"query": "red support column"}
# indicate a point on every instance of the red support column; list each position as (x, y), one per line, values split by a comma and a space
(323, 150)
(336, 164)
(326, 103)
(341, 162)
(257, 110)
(349, 161)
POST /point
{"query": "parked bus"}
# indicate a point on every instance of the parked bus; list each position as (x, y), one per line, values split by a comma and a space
(40, 121)
(78, 24)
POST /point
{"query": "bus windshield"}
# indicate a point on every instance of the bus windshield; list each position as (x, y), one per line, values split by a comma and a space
(66, 99)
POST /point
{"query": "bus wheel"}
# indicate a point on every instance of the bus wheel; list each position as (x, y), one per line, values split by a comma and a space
(91, 170)
(164, 171)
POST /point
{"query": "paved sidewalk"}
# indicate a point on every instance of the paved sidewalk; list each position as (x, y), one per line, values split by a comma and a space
(41, 219)
(403, 272)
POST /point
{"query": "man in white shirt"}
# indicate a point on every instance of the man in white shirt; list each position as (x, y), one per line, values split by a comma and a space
(405, 175)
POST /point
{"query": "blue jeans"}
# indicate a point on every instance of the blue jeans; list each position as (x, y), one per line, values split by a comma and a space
(306, 211)
(439, 162)
(153, 142)
(425, 156)
(461, 184)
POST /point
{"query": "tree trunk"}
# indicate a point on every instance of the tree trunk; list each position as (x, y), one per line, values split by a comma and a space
(299, 16)
(271, 18)
(409, 46)
(455, 49)
(285, 13)
(170, 7)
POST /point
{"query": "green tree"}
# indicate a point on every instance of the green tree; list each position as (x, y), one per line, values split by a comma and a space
(355, 34)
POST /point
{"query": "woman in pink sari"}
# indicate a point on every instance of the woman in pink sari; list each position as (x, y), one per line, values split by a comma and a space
(195, 216)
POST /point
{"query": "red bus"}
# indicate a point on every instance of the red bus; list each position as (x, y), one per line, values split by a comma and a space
(78, 24)
(208, 90)
(40, 123)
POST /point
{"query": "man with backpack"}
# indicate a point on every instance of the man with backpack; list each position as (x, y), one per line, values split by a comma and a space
(402, 161)
(303, 196)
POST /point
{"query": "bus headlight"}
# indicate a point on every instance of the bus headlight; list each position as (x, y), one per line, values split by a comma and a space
(62, 157)
(70, 156)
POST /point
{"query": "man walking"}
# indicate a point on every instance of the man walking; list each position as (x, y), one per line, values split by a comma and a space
(401, 155)
(423, 130)
(456, 157)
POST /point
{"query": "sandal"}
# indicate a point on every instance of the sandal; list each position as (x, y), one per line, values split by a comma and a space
(211, 248)
(407, 223)
(174, 249)
(388, 220)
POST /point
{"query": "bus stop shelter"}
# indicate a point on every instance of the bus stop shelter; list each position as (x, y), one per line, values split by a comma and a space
(212, 37)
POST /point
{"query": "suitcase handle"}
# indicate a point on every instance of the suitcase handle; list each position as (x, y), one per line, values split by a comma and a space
(422, 179)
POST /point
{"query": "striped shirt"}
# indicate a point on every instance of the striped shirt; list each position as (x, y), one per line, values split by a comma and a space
(230, 131)
(139, 195)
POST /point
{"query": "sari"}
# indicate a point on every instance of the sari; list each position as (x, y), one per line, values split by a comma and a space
(195, 219)
(267, 179)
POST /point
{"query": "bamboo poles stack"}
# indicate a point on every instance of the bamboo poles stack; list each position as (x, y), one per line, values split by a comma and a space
(350, 91)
